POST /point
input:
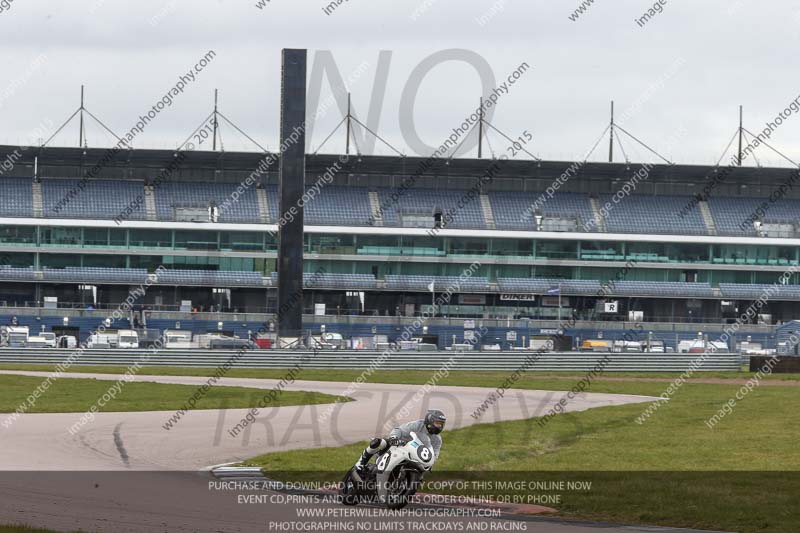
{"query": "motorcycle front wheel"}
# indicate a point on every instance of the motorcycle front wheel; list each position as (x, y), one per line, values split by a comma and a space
(398, 490)
(348, 492)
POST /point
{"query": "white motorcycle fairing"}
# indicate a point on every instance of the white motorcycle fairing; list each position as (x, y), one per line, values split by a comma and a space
(404, 463)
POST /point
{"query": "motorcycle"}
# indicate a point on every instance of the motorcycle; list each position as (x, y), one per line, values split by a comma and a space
(393, 478)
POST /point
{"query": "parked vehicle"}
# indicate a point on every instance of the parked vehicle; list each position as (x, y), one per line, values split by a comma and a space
(327, 341)
(655, 347)
(14, 336)
(177, 339)
(49, 338)
(595, 345)
(127, 338)
(149, 338)
(66, 341)
(37, 341)
(416, 345)
(627, 347)
(102, 340)
(231, 343)
(701, 346)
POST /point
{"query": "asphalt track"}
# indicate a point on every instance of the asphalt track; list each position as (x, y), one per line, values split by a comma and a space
(124, 472)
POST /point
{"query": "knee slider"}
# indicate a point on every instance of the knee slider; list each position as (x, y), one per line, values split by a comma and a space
(375, 443)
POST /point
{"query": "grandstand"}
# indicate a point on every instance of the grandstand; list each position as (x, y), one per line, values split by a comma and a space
(352, 206)
(659, 253)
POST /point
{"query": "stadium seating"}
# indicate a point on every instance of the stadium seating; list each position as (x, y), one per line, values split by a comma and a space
(64, 198)
(511, 211)
(346, 205)
(441, 283)
(652, 214)
(597, 288)
(661, 288)
(100, 275)
(219, 278)
(17, 274)
(95, 274)
(319, 280)
(514, 211)
(243, 208)
(756, 291)
(272, 203)
(549, 286)
(327, 280)
(732, 215)
(338, 281)
(16, 197)
(425, 202)
(334, 205)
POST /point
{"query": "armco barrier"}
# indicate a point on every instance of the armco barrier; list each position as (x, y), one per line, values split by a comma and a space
(561, 361)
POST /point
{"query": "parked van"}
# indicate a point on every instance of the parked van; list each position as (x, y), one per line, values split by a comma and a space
(49, 338)
(175, 338)
(14, 336)
(621, 346)
(37, 341)
(656, 347)
(102, 340)
(595, 345)
(700, 346)
(67, 341)
(231, 343)
(127, 338)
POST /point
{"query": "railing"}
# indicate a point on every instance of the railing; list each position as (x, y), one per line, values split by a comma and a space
(354, 316)
(551, 223)
(506, 361)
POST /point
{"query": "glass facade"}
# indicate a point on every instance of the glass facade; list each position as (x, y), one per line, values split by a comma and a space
(380, 255)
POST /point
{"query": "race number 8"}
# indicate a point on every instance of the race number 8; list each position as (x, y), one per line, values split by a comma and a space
(382, 463)
(425, 454)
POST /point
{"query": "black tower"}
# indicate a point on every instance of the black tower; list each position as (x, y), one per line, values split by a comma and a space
(292, 187)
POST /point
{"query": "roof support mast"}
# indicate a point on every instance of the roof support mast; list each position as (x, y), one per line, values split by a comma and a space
(741, 131)
(480, 129)
(214, 142)
(80, 128)
(611, 136)
(347, 143)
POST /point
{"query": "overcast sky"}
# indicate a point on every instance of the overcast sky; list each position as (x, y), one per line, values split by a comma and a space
(685, 70)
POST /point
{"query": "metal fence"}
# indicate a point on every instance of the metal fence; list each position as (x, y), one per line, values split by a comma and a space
(510, 361)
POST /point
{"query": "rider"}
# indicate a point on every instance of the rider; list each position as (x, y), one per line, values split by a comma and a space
(432, 424)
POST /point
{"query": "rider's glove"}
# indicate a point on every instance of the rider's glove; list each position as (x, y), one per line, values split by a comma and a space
(394, 441)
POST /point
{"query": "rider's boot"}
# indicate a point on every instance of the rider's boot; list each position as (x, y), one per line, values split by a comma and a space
(362, 461)
(375, 445)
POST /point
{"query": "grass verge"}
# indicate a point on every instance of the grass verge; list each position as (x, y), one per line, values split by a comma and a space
(413, 377)
(670, 470)
(73, 395)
